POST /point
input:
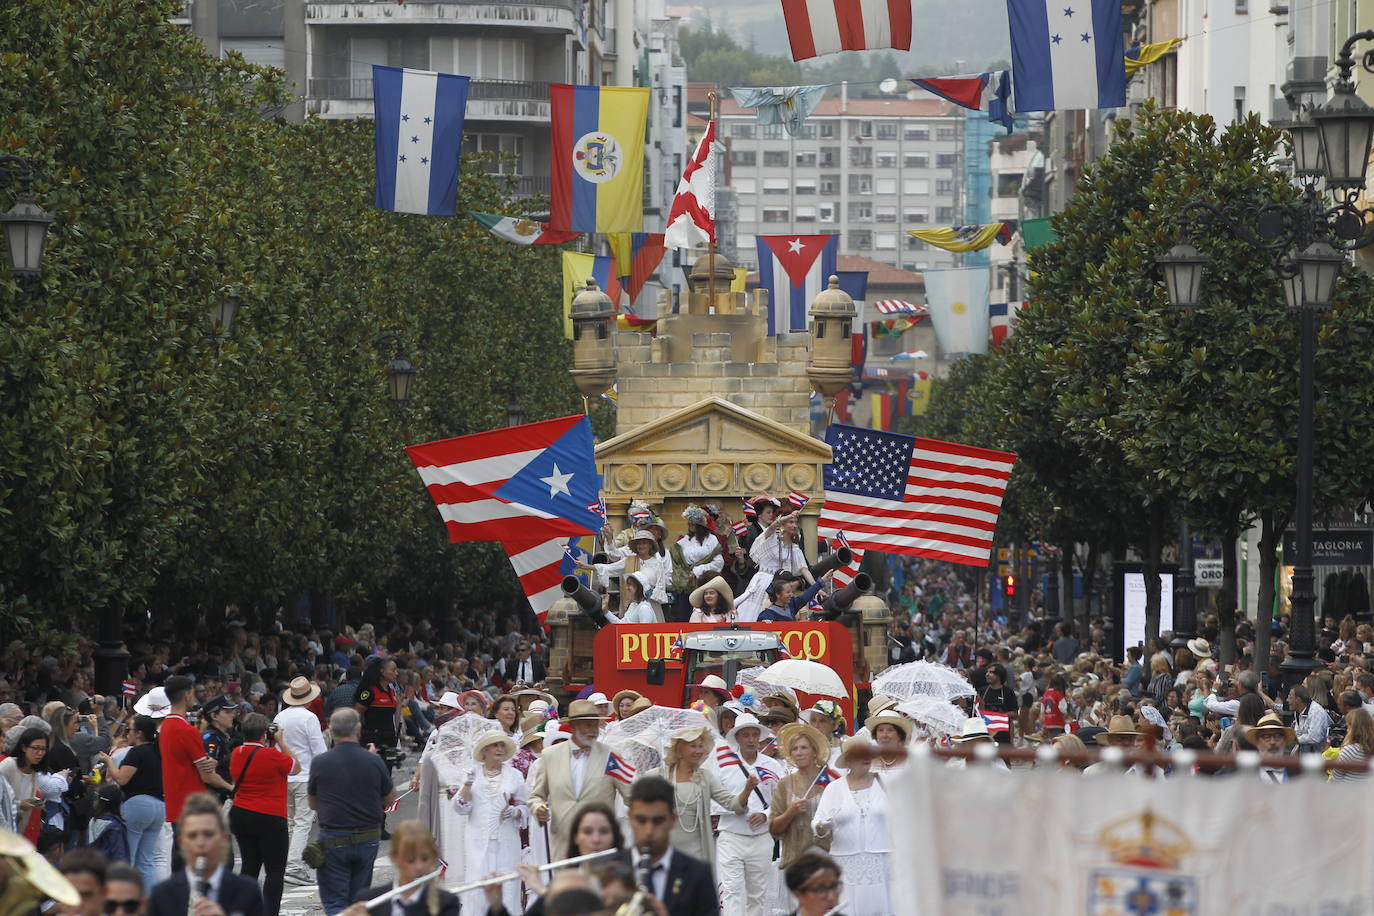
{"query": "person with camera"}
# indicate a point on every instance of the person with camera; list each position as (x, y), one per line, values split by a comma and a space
(300, 731)
(260, 767)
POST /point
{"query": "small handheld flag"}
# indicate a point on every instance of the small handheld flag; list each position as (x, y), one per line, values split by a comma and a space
(766, 775)
(616, 768)
(825, 777)
(726, 756)
(129, 689)
(997, 721)
(740, 529)
(798, 500)
(749, 509)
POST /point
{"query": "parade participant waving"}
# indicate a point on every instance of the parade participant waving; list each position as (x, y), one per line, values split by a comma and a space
(493, 798)
(695, 788)
(776, 549)
(656, 569)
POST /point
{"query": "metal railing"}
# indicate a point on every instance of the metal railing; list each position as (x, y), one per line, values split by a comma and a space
(478, 89)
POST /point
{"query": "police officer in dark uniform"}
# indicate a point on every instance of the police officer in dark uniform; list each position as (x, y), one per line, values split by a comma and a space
(379, 705)
(219, 719)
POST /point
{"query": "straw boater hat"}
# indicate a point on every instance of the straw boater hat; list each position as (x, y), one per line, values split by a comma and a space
(713, 682)
(975, 729)
(583, 711)
(879, 703)
(643, 534)
(615, 700)
(1200, 647)
(531, 692)
(530, 737)
(1122, 725)
(898, 722)
(1271, 722)
(639, 705)
(490, 738)
(852, 743)
(790, 733)
(300, 692)
(698, 596)
(785, 714)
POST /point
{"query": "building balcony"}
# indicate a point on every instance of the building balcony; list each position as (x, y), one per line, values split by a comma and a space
(495, 100)
(536, 15)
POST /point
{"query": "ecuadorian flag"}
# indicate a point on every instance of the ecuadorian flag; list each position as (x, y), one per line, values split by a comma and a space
(597, 156)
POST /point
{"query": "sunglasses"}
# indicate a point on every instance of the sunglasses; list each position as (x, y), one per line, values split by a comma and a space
(128, 906)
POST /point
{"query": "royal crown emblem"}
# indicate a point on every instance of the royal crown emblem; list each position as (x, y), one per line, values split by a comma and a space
(1144, 882)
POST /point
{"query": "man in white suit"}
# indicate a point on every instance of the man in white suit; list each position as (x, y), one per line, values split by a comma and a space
(573, 773)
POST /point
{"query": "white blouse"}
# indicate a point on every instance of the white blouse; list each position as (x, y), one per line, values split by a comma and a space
(855, 821)
(696, 554)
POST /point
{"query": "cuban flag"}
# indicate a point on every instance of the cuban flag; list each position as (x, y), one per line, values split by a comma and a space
(990, 92)
(616, 768)
(794, 269)
(1067, 54)
(418, 117)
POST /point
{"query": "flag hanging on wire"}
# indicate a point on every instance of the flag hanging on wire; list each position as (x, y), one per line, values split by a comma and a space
(522, 231)
(1067, 54)
(990, 92)
(636, 256)
(692, 217)
(794, 269)
(1141, 55)
(816, 27)
(596, 153)
(418, 130)
(964, 238)
(915, 496)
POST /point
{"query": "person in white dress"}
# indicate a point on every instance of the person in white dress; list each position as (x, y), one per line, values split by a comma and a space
(853, 814)
(656, 569)
(777, 548)
(494, 800)
(634, 589)
(891, 732)
(697, 555)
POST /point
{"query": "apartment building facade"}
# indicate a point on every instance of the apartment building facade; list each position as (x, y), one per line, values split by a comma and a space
(867, 169)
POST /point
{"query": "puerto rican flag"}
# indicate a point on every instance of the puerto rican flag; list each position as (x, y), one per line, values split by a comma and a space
(740, 529)
(990, 92)
(766, 775)
(726, 756)
(816, 27)
(749, 509)
(826, 776)
(616, 768)
(794, 269)
(798, 500)
(129, 689)
(997, 721)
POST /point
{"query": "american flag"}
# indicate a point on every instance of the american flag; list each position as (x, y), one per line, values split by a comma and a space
(616, 768)
(749, 509)
(740, 528)
(915, 496)
(898, 307)
(129, 689)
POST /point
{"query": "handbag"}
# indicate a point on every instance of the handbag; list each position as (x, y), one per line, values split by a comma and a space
(246, 764)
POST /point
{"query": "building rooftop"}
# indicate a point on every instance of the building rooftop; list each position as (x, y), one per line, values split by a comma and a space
(830, 106)
(880, 274)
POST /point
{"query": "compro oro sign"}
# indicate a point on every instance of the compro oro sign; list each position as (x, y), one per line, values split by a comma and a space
(1208, 573)
(1334, 547)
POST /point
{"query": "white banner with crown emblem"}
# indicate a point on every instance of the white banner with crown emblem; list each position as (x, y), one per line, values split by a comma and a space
(1050, 842)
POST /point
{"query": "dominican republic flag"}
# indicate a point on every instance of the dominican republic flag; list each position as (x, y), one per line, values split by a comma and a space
(997, 721)
(418, 124)
(617, 768)
(816, 27)
(692, 217)
(794, 269)
(990, 92)
(1067, 54)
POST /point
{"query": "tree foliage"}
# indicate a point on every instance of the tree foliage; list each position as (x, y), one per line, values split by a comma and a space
(144, 462)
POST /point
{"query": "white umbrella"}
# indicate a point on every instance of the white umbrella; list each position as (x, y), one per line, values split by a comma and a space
(641, 739)
(934, 713)
(913, 679)
(806, 676)
(753, 681)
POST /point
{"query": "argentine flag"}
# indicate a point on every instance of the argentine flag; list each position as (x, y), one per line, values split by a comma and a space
(418, 117)
(1067, 54)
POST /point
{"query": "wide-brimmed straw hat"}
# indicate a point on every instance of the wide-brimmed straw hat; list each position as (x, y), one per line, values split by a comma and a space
(490, 738)
(698, 596)
(974, 729)
(583, 711)
(530, 737)
(1122, 725)
(897, 721)
(852, 743)
(879, 703)
(615, 700)
(642, 534)
(790, 733)
(1271, 722)
(300, 692)
(639, 705)
(1200, 647)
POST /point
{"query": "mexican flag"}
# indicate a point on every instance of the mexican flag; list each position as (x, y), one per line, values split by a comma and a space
(522, 231)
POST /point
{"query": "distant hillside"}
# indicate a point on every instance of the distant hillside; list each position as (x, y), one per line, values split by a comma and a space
(974, 31)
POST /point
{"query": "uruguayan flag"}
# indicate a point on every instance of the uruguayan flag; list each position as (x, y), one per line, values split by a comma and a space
(419, 129)
(1067, 54)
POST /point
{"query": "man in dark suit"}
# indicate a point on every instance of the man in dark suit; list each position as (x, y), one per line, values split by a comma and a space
(203, 841)
(522, 668)
(684, 884)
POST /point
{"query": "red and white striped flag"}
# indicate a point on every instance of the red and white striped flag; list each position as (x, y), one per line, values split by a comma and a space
(816, 27)
(692, 218)
(740, 529)
(915, 496)
(798, 500)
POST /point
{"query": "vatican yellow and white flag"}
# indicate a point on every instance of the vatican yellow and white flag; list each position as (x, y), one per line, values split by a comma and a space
(1055, 842)
(958, 304)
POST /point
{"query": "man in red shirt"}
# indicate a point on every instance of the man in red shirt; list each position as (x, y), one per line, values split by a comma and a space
(186, 768)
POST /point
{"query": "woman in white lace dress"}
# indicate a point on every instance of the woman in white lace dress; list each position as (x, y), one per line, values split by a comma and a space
(777, 548)
(494, 800)
(654, 567)
(697, 557)
(853, 813)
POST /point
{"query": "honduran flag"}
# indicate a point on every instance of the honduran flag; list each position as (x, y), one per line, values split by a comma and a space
(597, 157)
(1067, 54)
(616, 768)
(794, 269)
(990, 92)
(418, 128)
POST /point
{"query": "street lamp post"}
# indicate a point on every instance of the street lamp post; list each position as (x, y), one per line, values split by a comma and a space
(25, 225)
(400, 376)
(1185, 591)
(1310, 239)
(515, 414)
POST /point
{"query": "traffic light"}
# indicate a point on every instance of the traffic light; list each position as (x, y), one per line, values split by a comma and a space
(1011, 586)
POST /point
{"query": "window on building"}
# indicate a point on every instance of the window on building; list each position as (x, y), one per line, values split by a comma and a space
(886, 187)
(861, 156)
(507, 152)
(944, 187)
(747, 214)
(775, 214)
(944, 215)
(265, 52)
(806, 159)
(804, 186)
(886, 160)
(916, 160)
(744, 185)
(946, 133)
(825, 213)
(860, 184)
(885, 214)
(916, 132)
(743, 157)
(915, 185)
(776, 186)
(806, 214)
(1008, 184)
(830, 157)
(887, 130)
(861, 213)
(481, 58)
(861, 129)
(775, 157)
(742, 130)
(916, 216)
(362, 54)
(863, 239)
(914, 244)
(825, 130)
(830, 184)
(807, 132)
(772, 132)
(946, 160)
(885, 241)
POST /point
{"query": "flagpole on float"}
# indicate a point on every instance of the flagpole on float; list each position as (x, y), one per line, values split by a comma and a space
(712, 98)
